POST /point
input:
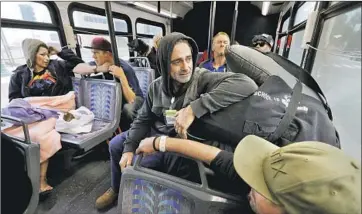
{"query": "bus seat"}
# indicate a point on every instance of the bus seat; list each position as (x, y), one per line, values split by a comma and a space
(199, 55)
(145, 76)
(20, 171)
(77, 88)
(104, 99)
(145, 190)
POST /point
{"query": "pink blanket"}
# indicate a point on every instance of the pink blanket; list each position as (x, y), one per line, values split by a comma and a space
(42, 133)
(62, 103)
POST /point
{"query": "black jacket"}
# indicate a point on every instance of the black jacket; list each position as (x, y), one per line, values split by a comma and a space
(62, 70)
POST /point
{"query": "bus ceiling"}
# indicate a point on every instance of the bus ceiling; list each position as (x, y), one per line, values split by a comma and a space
(168, 9)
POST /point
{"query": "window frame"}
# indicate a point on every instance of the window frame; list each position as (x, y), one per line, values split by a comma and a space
(292, 28)
(56, 25)
(149, 22)
(76, 6)
(326, 12)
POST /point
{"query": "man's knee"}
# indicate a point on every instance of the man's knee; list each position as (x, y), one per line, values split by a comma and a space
(128, 111)
(116, 144)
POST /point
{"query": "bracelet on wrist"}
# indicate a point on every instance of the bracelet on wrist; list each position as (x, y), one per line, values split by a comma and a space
(154, 143)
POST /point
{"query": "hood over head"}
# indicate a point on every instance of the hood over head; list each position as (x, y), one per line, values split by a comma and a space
(30, 48)
(164, 53)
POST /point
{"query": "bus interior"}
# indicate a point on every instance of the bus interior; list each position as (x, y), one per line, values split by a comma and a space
(330, 51)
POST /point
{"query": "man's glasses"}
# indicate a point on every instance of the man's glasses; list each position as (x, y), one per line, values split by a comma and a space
(260, 43)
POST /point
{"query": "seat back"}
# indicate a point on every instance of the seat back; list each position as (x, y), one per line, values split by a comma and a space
(104, 99)
(77, 90)
(20, 151)
(140, 62)
(145, 76)
(147, 191)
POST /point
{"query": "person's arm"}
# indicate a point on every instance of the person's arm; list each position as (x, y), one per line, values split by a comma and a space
(217, 91)
(220, 90)
(71, 60)
(141, 126)
(189, 148)
(87, 68)
(220, 161)
(14, 87)
(127, 91)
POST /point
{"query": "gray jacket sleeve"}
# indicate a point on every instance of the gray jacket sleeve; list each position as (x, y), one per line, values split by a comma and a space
(220, 90)
(141, 126)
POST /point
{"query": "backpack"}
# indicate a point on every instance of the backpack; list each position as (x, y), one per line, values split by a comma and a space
(288, 106)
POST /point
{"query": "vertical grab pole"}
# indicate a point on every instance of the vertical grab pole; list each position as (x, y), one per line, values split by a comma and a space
(211, 27)
(171, 20)
(111, 32)
(235, 20)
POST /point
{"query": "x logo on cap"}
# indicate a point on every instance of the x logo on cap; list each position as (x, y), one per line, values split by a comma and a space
(279, 170)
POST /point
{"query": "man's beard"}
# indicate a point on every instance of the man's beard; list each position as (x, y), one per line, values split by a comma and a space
(220, 54)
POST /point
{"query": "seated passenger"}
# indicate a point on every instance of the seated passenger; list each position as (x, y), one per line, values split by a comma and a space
(183, 89)
(305, 177)
(263, 42)
(218, 62)
(42, 77)
(132, 95)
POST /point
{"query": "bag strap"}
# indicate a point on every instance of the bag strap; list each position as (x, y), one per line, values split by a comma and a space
(289, 114)
(304, 77)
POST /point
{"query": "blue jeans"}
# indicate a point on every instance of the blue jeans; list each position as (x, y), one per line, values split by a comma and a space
(153, 161)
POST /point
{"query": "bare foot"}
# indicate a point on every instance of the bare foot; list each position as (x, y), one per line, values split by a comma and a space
(44, 186)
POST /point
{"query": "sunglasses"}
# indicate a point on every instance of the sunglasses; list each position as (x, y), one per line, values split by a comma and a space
(260, 43)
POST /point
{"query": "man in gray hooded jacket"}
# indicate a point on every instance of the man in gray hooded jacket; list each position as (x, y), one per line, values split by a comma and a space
(182, 88)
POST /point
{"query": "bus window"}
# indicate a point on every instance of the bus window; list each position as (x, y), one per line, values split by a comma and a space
(303, 12)
(337, 68)
(89, 22)
(285, 25)
(146, 30)
(94, 21)
(296, 51)
(282, 43)
(25, 11)
(11, 36)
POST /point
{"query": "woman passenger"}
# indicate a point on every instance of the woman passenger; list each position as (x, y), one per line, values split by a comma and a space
(41, 76)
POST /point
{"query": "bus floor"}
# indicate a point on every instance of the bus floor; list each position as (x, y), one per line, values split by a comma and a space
(77, 188)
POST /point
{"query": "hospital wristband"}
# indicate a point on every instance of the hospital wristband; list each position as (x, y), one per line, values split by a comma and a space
(162, 144)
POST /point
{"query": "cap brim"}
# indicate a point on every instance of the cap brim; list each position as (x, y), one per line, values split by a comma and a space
(249, 156)
(102, 49)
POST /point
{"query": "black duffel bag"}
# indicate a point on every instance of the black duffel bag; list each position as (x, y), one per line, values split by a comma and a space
(288, 107)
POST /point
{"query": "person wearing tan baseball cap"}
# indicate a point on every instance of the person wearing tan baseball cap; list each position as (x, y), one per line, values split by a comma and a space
(305, 177)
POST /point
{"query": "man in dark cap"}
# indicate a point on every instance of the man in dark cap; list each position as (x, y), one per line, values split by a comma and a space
(104, 63)
(263, 42)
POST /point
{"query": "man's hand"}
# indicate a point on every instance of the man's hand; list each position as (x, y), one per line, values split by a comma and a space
(146, 146)
(184, 119)
(126, 160)
(117, 72)
(103, 68)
